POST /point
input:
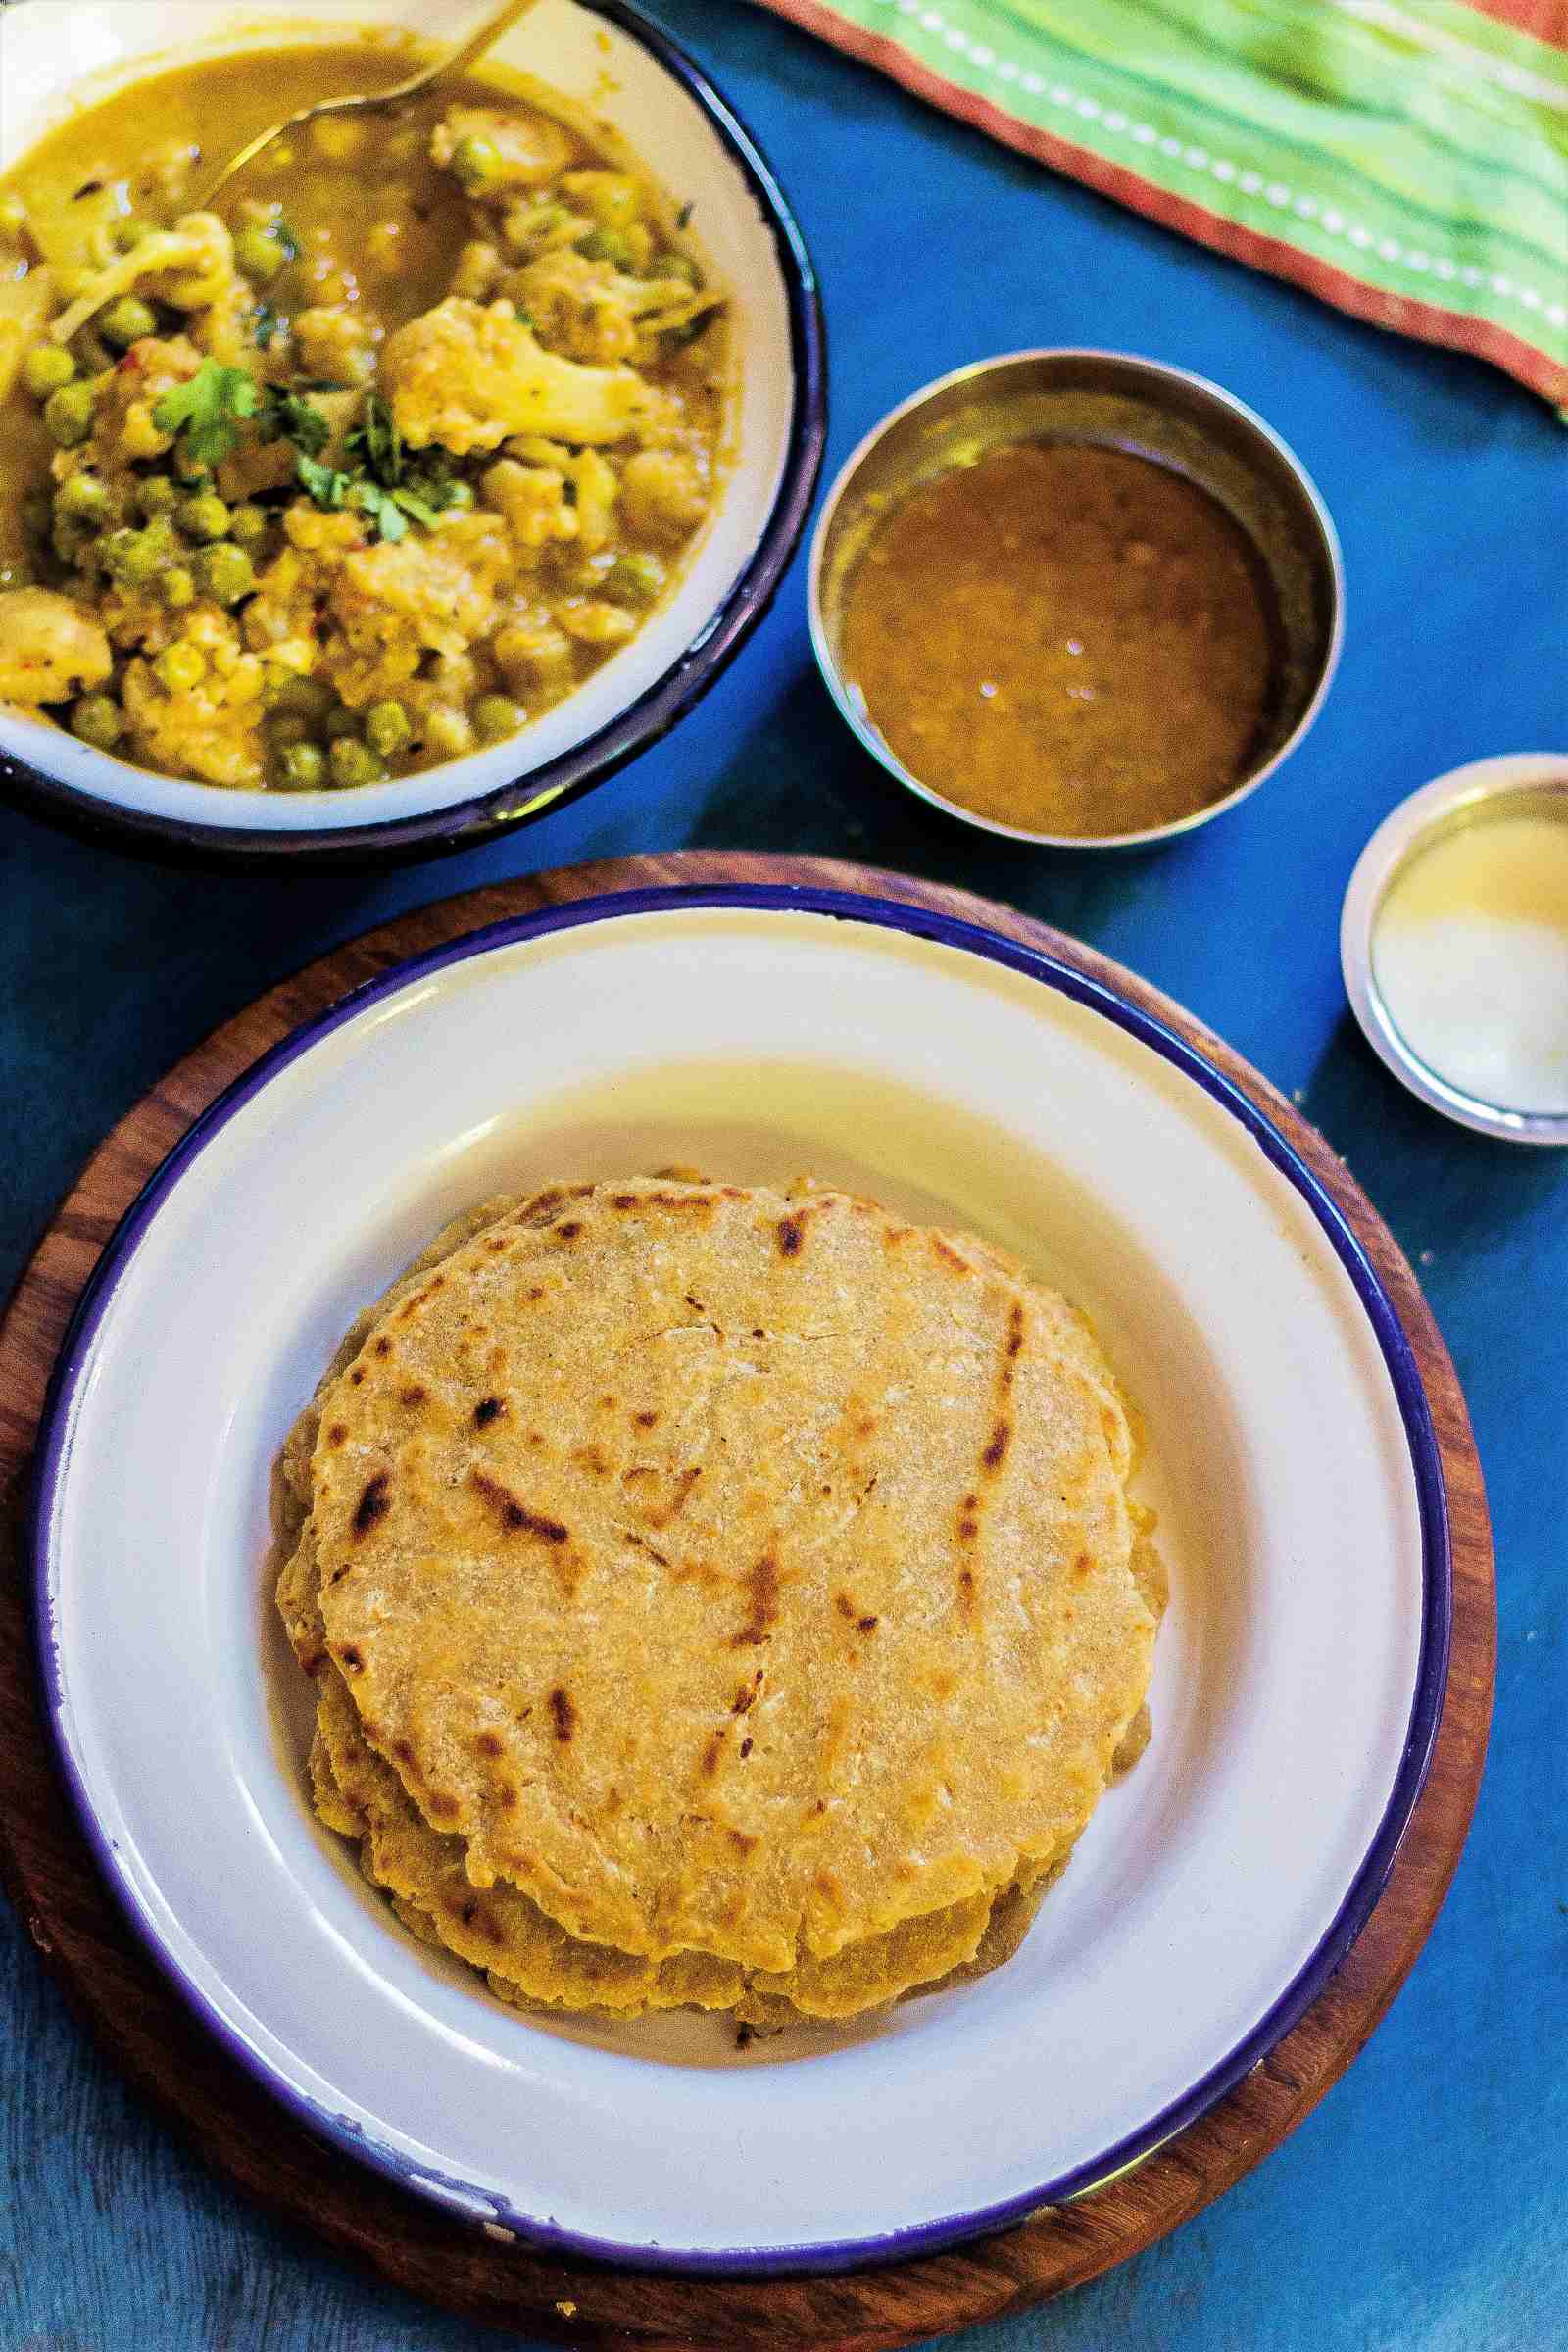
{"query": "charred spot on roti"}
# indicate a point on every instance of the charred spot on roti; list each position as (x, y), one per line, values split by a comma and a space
(515, 1516)
(761, 1584)
(375, 1500)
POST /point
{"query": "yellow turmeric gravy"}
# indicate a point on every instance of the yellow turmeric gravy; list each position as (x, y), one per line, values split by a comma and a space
(1063, 637)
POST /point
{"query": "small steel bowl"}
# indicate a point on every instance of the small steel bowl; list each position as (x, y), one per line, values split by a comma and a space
(1522, 782)
(1178, 419)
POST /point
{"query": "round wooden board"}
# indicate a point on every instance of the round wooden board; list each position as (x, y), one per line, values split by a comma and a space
(73, 1920)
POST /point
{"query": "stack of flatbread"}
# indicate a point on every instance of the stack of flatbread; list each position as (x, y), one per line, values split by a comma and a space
(716, 1596)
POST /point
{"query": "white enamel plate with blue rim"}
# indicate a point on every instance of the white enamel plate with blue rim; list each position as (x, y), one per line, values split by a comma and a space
(757, 1034)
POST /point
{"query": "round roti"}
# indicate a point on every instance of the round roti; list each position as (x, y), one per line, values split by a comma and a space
(730, 1574)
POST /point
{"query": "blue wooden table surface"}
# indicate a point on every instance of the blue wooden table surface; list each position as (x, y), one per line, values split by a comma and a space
(1425, 2204)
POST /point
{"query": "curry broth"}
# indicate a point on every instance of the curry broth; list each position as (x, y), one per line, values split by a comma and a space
(1063, 637)
(206, 112)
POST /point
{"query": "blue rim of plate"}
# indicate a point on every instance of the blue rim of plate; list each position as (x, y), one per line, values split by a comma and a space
(542, 791)
(1432, 1666)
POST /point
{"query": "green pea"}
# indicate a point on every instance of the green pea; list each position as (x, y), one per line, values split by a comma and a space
(607, 245)
(68, 414)
(302, 767)
(98, 720)
(339, 725)
(386, 728)
(354, 763)
(476, 164)
(157, 495)
(126, 321)
(308, 697)
(223, 572)
(612, 198)
(285, 727)
(249, 525)
(204, 517)
(133, 558)
(258, 254)
(177, 587)
(179, 667)
(46, 369)
(496, 717)
(84, 499)
(636, 579)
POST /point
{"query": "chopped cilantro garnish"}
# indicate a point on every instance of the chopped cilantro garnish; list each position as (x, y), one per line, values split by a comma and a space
(378, 483)
(285, 417)
(426, 509)
(382, 507)
(377, 443)
(683, 216)
(288, 238)
(267, 328)
(324, 483)
(208, 411)
(332, 490)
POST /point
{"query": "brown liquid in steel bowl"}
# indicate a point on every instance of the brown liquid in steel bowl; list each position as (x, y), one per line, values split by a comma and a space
(1064, 637)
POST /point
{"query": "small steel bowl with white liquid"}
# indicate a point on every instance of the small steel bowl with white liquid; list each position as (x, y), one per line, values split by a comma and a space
(1454, 946)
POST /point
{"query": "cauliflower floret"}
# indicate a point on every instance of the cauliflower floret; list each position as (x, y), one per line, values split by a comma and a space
(582, 308)
(664, 492)
(533, 500)
(469, 376)
(593, 622)
(592, 310)
(211, 728)
(50, 646)
(533, 225)
(532, 653)
(190, 267)
(337, 343)
(280, 620)
(390, 605)
(123, 427)
(595, 492)
(525, 149)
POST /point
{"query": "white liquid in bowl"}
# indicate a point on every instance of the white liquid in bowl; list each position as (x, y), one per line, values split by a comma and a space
(1470, 956)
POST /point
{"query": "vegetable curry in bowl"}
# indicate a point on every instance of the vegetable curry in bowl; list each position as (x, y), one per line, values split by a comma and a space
(362, 469)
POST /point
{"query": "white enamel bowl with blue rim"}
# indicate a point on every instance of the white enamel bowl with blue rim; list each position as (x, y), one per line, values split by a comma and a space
(56, 55)
(757, 1033)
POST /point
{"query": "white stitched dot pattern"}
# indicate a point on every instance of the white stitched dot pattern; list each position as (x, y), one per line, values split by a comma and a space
(1230, 175)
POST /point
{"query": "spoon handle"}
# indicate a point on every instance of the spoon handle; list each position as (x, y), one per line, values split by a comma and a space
(488, 33)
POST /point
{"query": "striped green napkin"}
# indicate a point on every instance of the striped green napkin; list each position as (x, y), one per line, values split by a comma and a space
(1406, 160)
